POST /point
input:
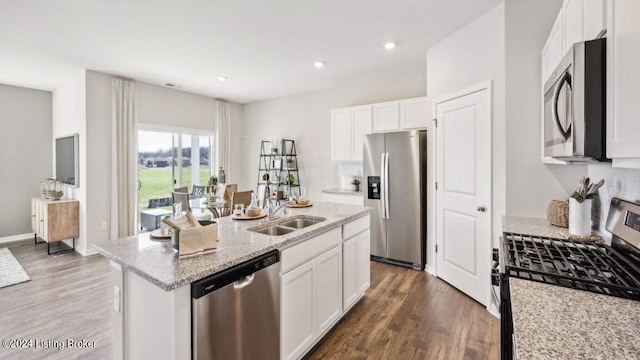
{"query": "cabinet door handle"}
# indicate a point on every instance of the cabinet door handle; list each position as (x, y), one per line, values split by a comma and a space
(481, 209)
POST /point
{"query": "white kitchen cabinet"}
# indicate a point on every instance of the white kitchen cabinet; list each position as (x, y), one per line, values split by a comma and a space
(311, 302)
(356, 268)
(386, 116)
(623, 77)
(311, 291)
(595, 19)
(414, 113)
(573, 23)
(329, 289)
(298, 290)
(348, 126)
(556, 41)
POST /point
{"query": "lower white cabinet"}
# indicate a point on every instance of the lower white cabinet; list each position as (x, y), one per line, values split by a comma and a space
(344, 198)
(356, 268)
(322, 277)
(311, 302)
(297, 310)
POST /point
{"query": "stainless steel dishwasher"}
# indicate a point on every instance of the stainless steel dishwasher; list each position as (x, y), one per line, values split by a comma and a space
(236, 313)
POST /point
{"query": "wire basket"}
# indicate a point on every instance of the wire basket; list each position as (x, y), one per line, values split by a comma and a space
(558, 213)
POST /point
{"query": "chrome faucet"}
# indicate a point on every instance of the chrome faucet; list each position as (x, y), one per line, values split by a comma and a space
(272, 212)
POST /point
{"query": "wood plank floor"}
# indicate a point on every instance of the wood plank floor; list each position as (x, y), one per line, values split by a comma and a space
(406, 314)
(69, 297)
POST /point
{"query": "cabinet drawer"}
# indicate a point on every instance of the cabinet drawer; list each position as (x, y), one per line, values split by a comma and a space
(299, 253)
(355, 227)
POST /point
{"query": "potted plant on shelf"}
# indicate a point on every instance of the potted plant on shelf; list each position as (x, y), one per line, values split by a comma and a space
(291, 179)
(580, 207)
(355, 184)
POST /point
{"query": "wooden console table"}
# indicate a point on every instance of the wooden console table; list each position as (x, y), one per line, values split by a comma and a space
(55, 220)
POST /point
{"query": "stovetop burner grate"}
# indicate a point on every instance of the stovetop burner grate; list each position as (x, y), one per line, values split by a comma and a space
(579, 265)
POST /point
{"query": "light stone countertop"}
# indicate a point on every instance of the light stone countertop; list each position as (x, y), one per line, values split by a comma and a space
(530, 226)
(157, 262)
(341, 191)
(553, 322)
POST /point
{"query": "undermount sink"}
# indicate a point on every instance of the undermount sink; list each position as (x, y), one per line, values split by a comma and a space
(287, 225)
(275, 230)
(300, 223)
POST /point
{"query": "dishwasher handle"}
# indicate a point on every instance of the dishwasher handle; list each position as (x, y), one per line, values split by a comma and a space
(246, 281)
(240, 275)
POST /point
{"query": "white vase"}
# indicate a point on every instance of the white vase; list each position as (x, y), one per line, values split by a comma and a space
(580, 217)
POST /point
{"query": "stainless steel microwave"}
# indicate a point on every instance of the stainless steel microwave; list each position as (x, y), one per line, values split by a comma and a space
(575, 105)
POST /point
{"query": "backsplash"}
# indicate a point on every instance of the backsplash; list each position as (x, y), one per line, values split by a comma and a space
(348, 170)
(620, 183)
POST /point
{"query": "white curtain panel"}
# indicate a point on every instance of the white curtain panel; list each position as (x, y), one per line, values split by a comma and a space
(124, 160)
(223, 137)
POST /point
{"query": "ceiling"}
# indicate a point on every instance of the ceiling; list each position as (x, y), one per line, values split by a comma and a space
(266, 48)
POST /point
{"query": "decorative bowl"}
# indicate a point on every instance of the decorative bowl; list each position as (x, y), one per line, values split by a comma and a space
(302, 201)
(253, 212)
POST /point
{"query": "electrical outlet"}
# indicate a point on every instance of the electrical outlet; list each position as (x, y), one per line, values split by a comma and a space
(104, 225)
(116, 298)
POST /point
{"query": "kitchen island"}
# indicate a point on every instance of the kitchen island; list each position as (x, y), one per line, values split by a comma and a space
(152, 295)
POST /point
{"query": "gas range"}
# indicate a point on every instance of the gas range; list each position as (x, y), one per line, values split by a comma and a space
(612, 270)
(589, 266)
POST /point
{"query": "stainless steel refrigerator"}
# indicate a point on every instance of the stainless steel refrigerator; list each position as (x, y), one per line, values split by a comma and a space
(395, 171)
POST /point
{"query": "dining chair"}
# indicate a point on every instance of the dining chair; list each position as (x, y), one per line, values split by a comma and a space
(241, 197)
(183, 198)
(229, 189)
(198, 191)
(182, 189)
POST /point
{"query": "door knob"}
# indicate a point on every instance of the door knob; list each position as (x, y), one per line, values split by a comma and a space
(481, 209)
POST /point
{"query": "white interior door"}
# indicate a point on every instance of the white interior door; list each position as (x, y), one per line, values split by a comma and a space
(463, 195)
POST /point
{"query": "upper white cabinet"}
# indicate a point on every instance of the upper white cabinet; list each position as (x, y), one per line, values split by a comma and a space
(623, 77)
(401, 115)
(573, 23)
(577, 20)
(595, 19)
(348, 126)
(386, 116)
(414, 113)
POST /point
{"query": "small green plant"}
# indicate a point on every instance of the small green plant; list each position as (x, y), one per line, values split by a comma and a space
(291, 179)
(585, 190)
(355, 182)
(213, 181)
(265, 177)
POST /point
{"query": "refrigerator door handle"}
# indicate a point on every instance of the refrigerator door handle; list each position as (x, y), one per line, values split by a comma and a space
(382, 183)
(386, 185)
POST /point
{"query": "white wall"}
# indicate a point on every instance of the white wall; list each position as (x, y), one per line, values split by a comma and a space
(473, 55)
(26, 145)
(164, 106)
(530, 184)
(69, 117)
(306, 118)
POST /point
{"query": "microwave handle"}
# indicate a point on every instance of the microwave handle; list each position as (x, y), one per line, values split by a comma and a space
(566, 77)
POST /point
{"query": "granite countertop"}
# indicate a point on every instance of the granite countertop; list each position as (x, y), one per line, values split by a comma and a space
(530, 226)
(553, 322)
(157, 262)
(341, 191)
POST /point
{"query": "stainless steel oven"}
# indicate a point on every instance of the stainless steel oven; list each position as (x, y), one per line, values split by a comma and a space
(574, 105)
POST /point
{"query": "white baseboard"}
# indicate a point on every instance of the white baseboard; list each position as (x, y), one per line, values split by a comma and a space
(12, 238)
(430, 269)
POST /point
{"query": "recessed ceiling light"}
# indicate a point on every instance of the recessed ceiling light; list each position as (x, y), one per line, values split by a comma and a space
(222, 78)
(390, 45)
(318, 64)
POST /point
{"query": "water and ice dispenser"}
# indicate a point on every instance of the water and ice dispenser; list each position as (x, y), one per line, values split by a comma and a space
(373, 187)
